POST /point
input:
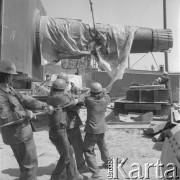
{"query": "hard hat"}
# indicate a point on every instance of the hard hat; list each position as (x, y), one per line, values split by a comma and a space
(165, 73)
(59, 84)
(7, 67)
(63, 76)
(96, 87)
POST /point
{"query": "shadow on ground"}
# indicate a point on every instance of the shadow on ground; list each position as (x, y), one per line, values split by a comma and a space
(47, 170)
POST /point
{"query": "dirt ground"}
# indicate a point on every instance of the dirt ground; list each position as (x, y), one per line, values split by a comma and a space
(122, 142)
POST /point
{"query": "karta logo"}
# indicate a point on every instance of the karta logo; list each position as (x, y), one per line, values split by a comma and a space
(117, 171)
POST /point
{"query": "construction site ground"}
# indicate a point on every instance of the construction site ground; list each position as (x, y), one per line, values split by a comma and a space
(124, 141)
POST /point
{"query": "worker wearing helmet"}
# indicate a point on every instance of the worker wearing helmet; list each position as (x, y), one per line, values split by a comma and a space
(73, 130)
(61, 101)
(164, 79)
(15, 126)
(63, 76)
(96, 127)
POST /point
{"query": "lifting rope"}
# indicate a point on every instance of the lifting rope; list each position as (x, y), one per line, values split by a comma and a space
(91, 6)
(155, 60)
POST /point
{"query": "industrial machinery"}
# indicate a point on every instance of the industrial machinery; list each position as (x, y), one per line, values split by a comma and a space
(144, 98)
(21, 36)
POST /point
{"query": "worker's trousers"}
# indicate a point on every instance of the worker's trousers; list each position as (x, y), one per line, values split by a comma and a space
(66, 161)
(89, 142)
(26, 156)
(76, 140)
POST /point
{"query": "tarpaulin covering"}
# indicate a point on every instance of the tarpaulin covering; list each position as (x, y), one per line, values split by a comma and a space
(63, 39)
(72, 39)
(115, 65)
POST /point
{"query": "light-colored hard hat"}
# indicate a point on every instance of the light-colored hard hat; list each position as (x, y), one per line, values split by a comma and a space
(165, 73)
(63, 76)
(59, 84)
(7, 67)
(96, 87)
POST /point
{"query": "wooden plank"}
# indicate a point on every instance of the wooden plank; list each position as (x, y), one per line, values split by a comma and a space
(142, 106)
(129, 123)
(133, 102)
(128, 126)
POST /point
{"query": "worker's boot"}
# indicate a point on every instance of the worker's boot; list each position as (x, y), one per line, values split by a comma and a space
(96, 176)
(81, 177)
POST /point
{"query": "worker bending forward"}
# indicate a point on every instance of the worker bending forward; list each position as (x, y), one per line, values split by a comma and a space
(57, 133)
(73, 129)
(95, 128)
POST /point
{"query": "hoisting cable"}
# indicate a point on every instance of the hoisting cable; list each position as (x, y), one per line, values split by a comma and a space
(138, 60)
(91, 6)
(155, 60)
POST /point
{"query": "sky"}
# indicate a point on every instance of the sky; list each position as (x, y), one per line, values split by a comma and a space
(141, 13)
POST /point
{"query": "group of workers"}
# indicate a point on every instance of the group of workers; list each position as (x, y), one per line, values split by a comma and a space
(64, 123)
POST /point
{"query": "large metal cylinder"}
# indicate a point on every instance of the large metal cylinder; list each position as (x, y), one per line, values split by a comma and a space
(152, 40)
(62, 38)
(20, 36)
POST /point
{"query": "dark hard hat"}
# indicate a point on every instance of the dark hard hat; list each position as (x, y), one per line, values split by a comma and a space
(96, 87)
(63, 76)
(59, 84)
(7, 67)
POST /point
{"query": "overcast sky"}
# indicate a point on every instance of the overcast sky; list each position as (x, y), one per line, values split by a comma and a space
(142, 13)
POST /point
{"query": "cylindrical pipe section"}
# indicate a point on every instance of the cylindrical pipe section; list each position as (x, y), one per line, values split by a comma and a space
(152, 40)
(78, 36)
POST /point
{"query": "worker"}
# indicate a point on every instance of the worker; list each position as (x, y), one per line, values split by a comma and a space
(17, 131)
(95, 128)
(74, 132)
(57, 133)
(164, 79)
(74, 89)
(64, 76)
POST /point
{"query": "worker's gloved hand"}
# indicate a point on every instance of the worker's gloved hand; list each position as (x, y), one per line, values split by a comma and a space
(49, 109)
(31, 115)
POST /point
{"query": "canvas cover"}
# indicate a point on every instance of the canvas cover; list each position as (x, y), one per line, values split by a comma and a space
(109, 45)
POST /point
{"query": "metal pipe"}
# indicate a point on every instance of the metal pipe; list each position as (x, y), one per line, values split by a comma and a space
(1, 23)
(165, 27)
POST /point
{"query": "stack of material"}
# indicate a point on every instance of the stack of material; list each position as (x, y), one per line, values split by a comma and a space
(162, 130)
(130, 121)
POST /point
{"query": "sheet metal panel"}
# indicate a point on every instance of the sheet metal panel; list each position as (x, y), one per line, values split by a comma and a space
(19, 35)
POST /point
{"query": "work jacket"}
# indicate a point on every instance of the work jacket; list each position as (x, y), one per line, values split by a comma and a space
(13, 105)
(166, 81)
(61, 102)
(73, 118)
(96, 108)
